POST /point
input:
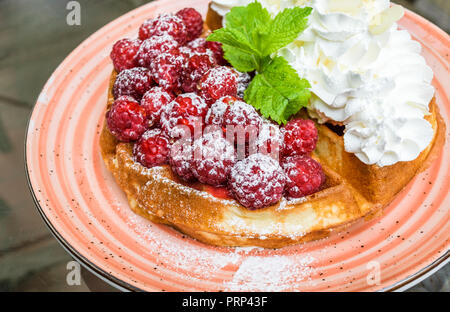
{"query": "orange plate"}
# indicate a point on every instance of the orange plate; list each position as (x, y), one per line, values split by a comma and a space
(89, 214)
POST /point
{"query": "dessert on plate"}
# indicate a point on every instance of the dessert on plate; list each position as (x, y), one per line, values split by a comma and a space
(273, 122)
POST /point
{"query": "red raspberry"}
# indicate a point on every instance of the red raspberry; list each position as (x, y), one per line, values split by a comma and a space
(257, 181)
(153, 47)
(164, 24)
(186, 110)
(198, 47)
(217, 110)
(304, 175)
(180, 159)
(213, 159)
(243, 120)
(216, 48)
(213, 49)
(206, 97)
(133, 82)
(193, 21)
(167, 69)
(198, 44)
(196, 67)
(300, 137)
(124, 52)
(152, 149)
(219, 81)
(126, 119)
(153, 101)
(187, 52)
(270, 140)
(147, 28)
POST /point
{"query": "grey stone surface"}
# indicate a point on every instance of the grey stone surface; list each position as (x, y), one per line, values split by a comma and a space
(18, 265)
(437, 11)
(439, 281)
(18, 218)
(35, 38)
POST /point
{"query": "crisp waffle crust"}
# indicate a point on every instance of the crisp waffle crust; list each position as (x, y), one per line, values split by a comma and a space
(353, 191)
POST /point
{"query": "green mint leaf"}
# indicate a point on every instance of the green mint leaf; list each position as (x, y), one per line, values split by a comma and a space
(249, 37)
(250, 19)
(278, 92)
(234, 38)
(242, 35)
(241, 60)
(285, 28)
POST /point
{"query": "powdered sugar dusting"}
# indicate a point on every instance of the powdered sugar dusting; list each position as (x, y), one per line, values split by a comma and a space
(197, 43)
(173, 113)
(198, 47)
(152, 47)
(151, 133)
(213, 158)
(167, 68)
(180, 158)
(133, 82)
(241, 113)
(164, 24)
(252, 268)
(153, 102)
(258, 269)
(123, 53)
(197, 261)
(257, 181)
(218, 75)
(275, 273)
(288, 203)
(216, 112)
(270, 139)
(219, 81)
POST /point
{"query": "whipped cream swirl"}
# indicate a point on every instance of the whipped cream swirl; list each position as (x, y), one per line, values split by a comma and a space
(365, 73)
(222, 7)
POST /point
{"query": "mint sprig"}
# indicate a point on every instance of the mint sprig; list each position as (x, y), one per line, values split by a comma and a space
(249, 37)
(278, 92)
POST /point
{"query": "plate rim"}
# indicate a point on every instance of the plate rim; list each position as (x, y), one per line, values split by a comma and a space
(402, 285)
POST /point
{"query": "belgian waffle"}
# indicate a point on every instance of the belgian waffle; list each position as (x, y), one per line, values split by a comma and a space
(353, 191)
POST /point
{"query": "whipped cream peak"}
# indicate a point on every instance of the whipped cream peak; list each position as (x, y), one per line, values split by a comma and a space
(365, 73)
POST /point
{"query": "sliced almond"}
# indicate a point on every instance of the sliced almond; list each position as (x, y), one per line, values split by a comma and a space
(383, 21)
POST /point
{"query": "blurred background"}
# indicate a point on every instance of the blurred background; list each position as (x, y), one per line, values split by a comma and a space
(34, 39)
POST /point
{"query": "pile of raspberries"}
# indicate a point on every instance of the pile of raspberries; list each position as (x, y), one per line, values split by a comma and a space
(180, 104)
